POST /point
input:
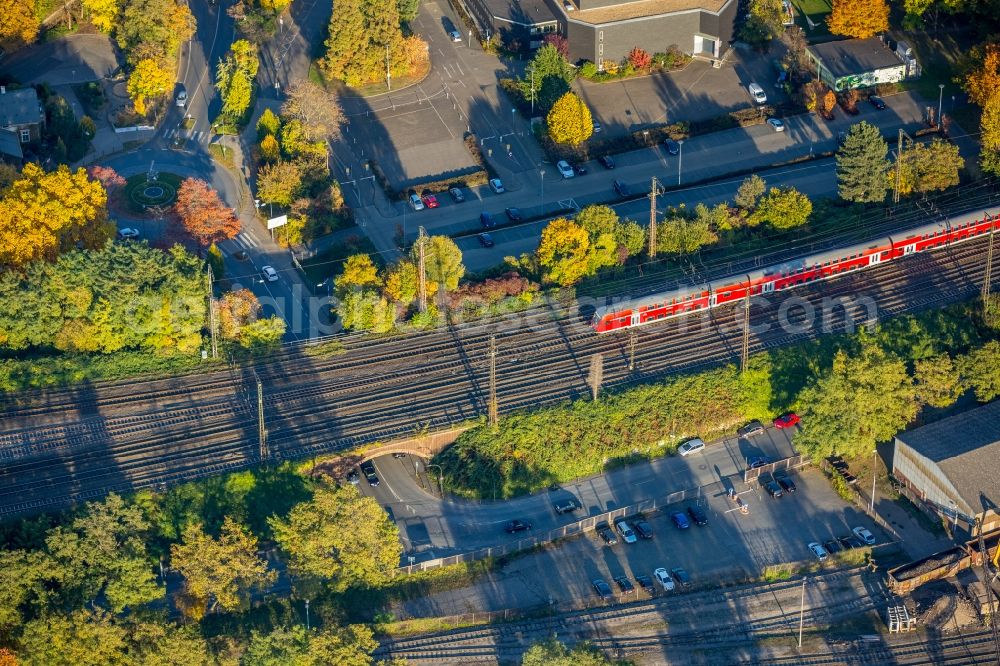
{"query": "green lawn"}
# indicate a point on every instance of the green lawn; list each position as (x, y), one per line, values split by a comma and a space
(816, 11)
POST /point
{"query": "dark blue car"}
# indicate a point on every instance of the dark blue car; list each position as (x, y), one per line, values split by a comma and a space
(680, 520)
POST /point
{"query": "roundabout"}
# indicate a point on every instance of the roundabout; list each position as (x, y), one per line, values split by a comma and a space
(151, 190)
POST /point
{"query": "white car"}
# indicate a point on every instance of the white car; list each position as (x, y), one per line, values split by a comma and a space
(628, 536)
(497, 186)
(569, 6)
(127, 233)
(662, 577)
(776, 124)
(818, 550)
(565, 170)
(864, 535)
(693, 445)
(757, 93)
(269, 273)
(416, 203)
(182, 98)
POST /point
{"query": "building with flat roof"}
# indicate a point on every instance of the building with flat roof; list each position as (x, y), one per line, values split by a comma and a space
(952, 467)
(521, 24)
(599, 30)
(856, 63)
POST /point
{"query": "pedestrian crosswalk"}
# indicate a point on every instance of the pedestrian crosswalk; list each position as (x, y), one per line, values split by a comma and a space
(245, 240)
(197, 136)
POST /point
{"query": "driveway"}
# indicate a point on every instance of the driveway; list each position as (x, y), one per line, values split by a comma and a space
(698, 92)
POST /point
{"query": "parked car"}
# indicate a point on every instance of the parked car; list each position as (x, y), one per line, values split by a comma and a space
(514, 214)
(269, 273)
(757, 93)
(487, 220)
(430, 200)
(849, 542)
(662, 577)
(368, 469)
(786, 420)
(565, 170)
(182, 97)
(751, 429)
(622, 189)
(628, 536)
(863, 534)
(785, 481)
(771, 486)
(353, 477)
(877, 102)
(603, 589)
(680, 519)
(673, 148)
(832, 546)
(604, 531)
(579, 169)
(568, 6)
(693, 445)
(566, 506)
(681, 576)
(497, 186)
(759, 461)
(485, 239)
(818, 550)
(642, 528)
(625, 585)
(597, 127)
(514, 526)
(776, 124)
(698, 515)
(128, 233)
(606, 161)
(455, 35)
(416, 203)
(646, 583)
(398, 454)
(456, 195)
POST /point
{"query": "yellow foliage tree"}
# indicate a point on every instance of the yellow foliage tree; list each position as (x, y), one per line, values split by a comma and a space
(564, 252)
(983, 86)
(270, 151)
(18, 23)
(148, 79)
(43, 214)
(858, 18)
(102, 13)
(359, 271)
(569, 120)
(274, 5)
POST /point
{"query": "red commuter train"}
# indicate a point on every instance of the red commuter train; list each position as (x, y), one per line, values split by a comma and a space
(791, 273)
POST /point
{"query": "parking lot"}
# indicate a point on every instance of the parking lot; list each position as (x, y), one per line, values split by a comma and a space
(731, 547)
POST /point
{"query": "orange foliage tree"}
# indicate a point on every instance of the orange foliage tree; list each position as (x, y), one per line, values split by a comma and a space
(858, 18)
(983, 86)
(203, 215)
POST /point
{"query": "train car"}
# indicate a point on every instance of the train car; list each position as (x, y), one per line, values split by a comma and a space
(792, 273)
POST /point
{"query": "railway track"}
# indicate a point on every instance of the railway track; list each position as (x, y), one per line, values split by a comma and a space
(70, 444)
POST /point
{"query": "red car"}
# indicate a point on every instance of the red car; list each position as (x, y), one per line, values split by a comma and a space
(786, 420)
(430, 200)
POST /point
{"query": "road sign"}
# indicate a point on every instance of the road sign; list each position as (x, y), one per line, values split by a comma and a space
(276, 222)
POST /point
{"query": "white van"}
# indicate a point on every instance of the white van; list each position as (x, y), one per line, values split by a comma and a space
(757, 93)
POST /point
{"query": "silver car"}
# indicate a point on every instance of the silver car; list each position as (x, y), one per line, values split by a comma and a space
(565, 170)
(691, 446)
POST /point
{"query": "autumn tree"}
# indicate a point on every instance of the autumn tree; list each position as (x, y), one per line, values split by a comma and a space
(861, 400)
(268, 124)
(570, 121)
(796, 59)
(234, 78)
(639, 58)
(279, 183)
(681, 234)
(351, 645)
(318, 111)
(270, 151)
(107, 177)
(782, 208)
(929, 167)
(359, 272)
(825, 103)
(235, 310)
(628, 238)
(220, 573)
(558, 42)
(102, 555)
(860, 19)
(43, 214)
(983, 85)
(103, 13)
(339, 537)
(360, 35)
(442, 261)
(749, 193)
(19, 25)
(148, 79)
(564, 252)
(552, 652)
(366, 310)
(401, 283)
(82, 638)
(938, 381)
(203, 215)
(862, 165)
(764, 22)
(153, 29)
(980, 371)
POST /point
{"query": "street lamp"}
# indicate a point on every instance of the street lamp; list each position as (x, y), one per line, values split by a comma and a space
(680, 159)
(940, 99)
(440, 477)
(307, 615)
(541, 175)
(802, 609)
(874, 474)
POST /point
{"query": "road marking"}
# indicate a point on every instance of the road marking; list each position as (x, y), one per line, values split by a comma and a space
(386, 483)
